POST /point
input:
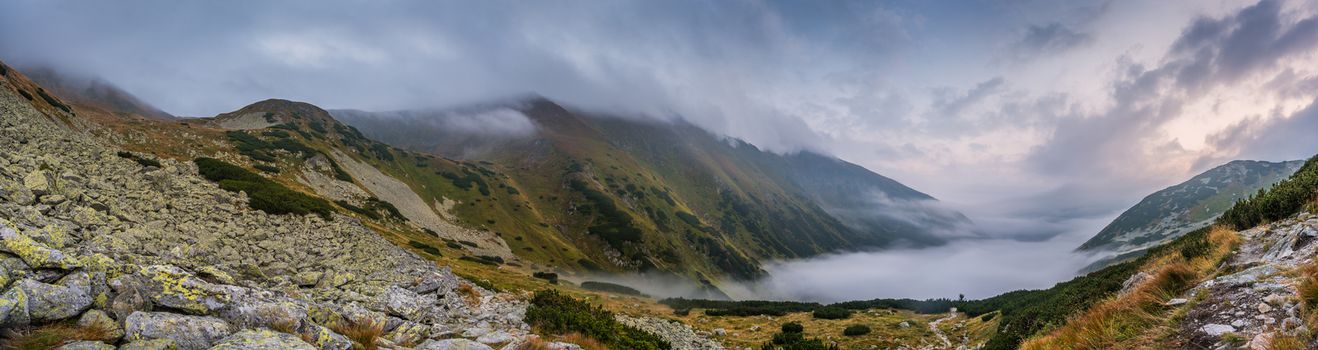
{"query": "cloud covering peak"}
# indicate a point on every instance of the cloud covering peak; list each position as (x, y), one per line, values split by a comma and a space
(1012, 110)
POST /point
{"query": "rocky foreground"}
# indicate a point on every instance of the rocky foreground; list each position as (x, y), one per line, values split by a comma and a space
(1258, 300)
(156, 257)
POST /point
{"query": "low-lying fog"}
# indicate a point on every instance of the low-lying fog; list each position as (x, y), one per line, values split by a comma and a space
(978, 268)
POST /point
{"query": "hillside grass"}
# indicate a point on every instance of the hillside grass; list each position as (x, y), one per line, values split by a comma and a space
(263, 194)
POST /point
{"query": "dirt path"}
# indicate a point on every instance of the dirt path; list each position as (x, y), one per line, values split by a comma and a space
(933, 326)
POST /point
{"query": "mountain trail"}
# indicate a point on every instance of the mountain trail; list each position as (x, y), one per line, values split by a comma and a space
(933, 326)
(1257, 297)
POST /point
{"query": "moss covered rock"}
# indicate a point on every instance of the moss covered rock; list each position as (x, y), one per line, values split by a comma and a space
(187, 332)
(262, 339)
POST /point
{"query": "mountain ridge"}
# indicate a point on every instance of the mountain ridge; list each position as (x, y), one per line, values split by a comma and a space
(1189, 205)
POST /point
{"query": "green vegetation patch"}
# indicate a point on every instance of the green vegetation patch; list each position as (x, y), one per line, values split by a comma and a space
(792, 337)
(856, 330)
(611, 224)
(255, 147)
(831, 313)
(53, 101)
(555, 313)
(548, 276)
(610, 288)
(425, 248)
(263, 194)
(266, 168)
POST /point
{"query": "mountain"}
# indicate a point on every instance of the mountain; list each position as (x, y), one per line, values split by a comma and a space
(686, 193)
(1190, 205)
(94, 94)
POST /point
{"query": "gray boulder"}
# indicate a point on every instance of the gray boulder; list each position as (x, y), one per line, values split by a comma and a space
(98, 319)
(11, 269)
(452, 344)
(187, 332)
(151, 344)
(86, 345)
(325, 339)
(262, 339)
(173, 287)
(48, 302)
(38, 182)
(35, 254)
(407, 304)
(13, 308)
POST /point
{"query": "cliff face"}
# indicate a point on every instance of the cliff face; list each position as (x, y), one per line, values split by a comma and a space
(151, 252)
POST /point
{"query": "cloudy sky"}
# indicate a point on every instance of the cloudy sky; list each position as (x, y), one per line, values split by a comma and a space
(1033, 117)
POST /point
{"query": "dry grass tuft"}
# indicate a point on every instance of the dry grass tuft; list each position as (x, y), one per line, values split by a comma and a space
(469, 294)
(362, 332)
(585, 342)
(280, 320)
(51, 336)
(1286, 342)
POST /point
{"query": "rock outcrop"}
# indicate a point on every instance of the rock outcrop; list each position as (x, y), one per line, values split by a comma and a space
(161, 258)
(679, 335)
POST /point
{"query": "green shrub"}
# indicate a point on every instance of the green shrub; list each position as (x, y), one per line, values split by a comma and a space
(555, 313)
(53, 101)
(548, 276)
(263, 194)
(484, 259)
(266, 168)
(610, 288)
(370, 214)
(856, 330)
(424, 247)
(467, 180)
(832, 313)
(338, 171)
(792, 327)
(793, 337)
(741, 308)
(382, 152)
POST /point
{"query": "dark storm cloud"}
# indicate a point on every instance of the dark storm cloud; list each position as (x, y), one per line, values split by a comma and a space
(1224, 49)
(704, 61)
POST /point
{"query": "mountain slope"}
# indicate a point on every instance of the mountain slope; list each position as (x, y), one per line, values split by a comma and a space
(670, 189)
(95, 94)
(1188, 206)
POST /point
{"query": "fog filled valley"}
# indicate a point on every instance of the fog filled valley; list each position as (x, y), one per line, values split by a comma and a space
(582, 175)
